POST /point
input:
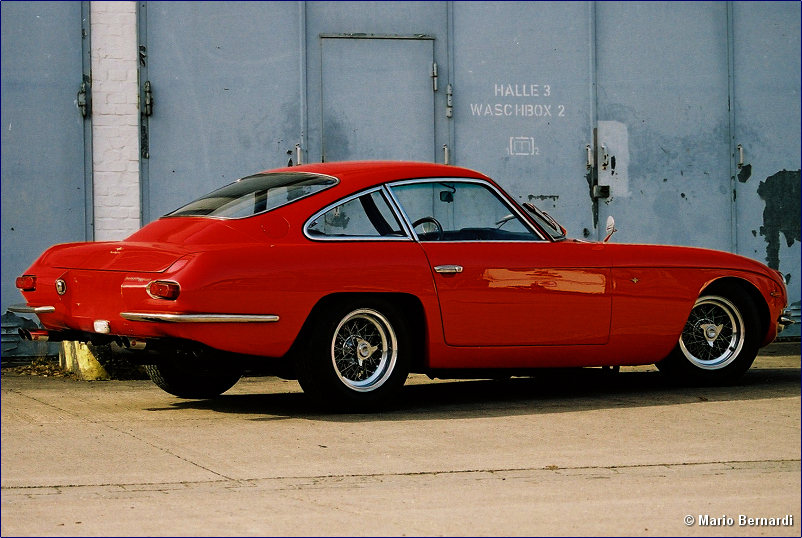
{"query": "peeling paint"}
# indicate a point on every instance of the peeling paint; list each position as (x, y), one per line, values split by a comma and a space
(552, 197)
(613, 140)
(745, 173)
(592, 177)
(780, 193)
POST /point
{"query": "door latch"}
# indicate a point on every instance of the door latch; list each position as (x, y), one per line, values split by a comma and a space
(147, 105)
(84, 101)
(298, 155)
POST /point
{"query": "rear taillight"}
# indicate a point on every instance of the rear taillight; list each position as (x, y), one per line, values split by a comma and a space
(164, 289)
(26, 282)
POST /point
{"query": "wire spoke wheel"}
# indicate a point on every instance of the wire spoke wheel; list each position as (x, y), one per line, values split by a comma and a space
(364, 350)
(714, 333)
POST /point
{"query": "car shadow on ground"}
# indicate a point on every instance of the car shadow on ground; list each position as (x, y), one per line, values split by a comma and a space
(551, 392)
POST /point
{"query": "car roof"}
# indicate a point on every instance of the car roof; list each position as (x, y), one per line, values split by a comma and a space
(358, 175)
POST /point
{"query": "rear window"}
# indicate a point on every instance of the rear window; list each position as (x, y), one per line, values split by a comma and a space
(255, 194)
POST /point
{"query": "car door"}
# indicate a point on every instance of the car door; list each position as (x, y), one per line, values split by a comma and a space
(501, 282)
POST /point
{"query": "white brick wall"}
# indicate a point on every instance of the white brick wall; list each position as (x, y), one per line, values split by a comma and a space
(115, 119)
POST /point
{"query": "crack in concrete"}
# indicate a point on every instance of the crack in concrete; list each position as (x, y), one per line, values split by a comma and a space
(549, 468)
(121, 431)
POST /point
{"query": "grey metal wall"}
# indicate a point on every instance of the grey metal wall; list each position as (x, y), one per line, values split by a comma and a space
(766, 119)
(226, 85)
(46, 148)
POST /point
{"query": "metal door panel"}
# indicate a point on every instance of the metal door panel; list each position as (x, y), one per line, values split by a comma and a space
(44, 172)
(427, 18)
(663, 120)
(766, 89)
(523, 294)
(377, 99)
(522, 101)
(225, 79)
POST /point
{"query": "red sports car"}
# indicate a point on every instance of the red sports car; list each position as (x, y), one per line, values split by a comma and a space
(352, 275)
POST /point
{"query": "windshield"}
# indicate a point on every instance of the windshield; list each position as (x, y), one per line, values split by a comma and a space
(255, 194)
(545, 221)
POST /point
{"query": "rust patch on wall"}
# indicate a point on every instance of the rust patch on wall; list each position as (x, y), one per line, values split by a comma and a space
(780, 193)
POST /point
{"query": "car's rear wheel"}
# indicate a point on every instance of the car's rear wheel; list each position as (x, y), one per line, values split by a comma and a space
(719, 342)
(194, 374)
(357, 357)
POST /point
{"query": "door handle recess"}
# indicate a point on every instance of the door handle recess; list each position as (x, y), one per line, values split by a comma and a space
(448, 269)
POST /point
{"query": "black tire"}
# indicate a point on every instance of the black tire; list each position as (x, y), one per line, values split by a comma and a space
(193, 375)
(357, 356)
(719, 342)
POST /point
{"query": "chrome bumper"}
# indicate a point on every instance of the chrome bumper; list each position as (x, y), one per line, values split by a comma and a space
(25, 309)
(784, 320)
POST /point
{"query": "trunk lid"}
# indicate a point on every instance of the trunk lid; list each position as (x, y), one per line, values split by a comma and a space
(152, 249)
(115, 256)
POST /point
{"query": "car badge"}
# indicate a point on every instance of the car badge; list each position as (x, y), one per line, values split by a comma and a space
(61, 287)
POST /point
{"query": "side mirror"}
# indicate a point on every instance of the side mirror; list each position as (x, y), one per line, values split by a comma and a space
(610, 228)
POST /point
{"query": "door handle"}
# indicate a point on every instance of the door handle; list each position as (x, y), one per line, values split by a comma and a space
(448, 269)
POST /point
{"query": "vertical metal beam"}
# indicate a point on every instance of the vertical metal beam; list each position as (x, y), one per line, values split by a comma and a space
(594, 118)
(302, 60)
(144, 170)
(86, 75)
(450, 82)
(732, 129)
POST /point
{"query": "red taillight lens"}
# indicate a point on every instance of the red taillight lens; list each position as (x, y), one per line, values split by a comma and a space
(164, 289)
(26, 282)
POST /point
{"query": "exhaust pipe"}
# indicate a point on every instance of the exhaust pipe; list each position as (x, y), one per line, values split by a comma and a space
(35, 335)
(41, 335)
(133, 343)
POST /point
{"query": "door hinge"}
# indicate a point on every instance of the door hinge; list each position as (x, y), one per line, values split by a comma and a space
(147, 100)
(434, 76)
(449, 101)
(84, 100)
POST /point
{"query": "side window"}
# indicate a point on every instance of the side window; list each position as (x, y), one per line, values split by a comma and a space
(456, 211)
(366, 216)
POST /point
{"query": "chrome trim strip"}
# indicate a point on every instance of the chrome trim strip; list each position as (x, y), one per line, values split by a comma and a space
(398, 211)
(25, 309)
(501, 196)
(199, 318)
(345, 200)
(404, 217)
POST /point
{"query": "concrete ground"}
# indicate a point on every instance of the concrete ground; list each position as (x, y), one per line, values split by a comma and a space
(588, 454)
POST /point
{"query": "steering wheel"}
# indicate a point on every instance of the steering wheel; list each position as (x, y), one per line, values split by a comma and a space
(433, 221)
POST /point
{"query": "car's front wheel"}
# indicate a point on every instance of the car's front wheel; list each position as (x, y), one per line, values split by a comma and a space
(357, 357)
(195, 374)
(719, 342)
